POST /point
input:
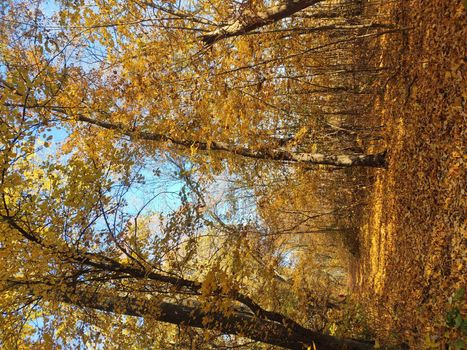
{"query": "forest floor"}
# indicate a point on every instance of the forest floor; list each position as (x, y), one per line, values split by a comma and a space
(412, 268)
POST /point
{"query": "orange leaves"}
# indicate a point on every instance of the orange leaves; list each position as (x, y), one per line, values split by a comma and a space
(423, 210)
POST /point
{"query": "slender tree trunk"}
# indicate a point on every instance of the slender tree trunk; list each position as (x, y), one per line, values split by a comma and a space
(257, 20)
(341, 160)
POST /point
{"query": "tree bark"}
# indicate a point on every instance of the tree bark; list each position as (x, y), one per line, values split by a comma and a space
(238, 323)
(261, 325)
(254, 21)
(103, 263)
(342, 160)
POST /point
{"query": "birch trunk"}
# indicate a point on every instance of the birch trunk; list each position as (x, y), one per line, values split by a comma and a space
(273, 154)
(257, 20)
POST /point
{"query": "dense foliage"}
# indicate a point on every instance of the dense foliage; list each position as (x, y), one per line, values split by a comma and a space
(185, 174)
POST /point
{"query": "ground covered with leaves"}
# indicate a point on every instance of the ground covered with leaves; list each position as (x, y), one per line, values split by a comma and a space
(412, 270)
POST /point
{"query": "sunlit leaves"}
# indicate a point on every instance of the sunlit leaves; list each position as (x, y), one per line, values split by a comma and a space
(75, 223)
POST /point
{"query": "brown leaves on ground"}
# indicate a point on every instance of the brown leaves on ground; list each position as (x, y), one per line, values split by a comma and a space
(415, 232)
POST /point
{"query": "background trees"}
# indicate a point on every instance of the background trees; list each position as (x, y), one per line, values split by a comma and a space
(110, 107)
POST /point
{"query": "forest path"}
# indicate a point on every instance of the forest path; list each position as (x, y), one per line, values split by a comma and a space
(413, 237)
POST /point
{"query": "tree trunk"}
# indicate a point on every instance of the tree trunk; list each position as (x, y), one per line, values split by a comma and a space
(341, 160)
(238, 323)
(257, 20)
(260, 325)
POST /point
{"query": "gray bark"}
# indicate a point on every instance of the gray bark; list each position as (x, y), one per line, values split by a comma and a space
(261, 325)
(241, 324)
(341, 160)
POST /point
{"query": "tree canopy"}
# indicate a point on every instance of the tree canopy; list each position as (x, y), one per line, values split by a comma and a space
(108, 106)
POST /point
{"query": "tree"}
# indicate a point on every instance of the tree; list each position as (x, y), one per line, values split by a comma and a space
(79, 268)
(124, 83)
(169, 104)
(256, 19)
